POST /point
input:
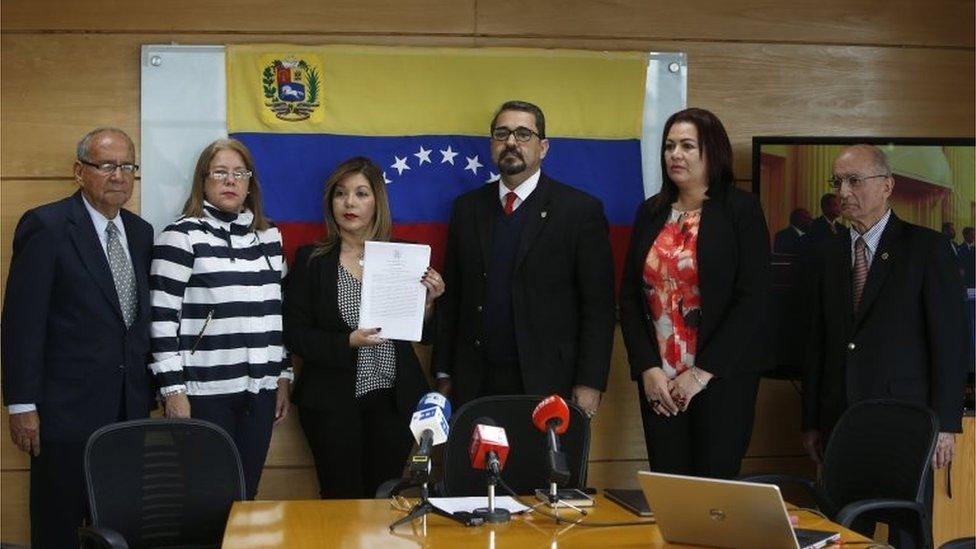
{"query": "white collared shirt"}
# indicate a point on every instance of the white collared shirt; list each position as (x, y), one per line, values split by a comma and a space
(101, 223)
(523, 190)
(872, 237)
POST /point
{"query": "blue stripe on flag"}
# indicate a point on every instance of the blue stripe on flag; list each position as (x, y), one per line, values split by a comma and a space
(293, 168)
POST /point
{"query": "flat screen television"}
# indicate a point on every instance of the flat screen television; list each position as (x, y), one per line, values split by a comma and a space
(935, 183)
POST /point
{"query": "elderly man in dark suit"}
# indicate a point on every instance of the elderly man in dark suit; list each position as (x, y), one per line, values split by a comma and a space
(529, 275)
(888, 311)
(76, 329)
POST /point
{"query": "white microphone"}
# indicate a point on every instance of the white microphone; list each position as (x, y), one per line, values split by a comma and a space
(429, 427)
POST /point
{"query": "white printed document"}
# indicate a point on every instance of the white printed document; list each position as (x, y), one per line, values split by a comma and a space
(470, 503)
(393, 297)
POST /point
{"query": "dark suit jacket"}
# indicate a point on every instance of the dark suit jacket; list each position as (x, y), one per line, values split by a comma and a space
(562, 291)
(967, 263)
(65, 345)
(734, 284)
(314, 330)
(820, 230)
(789, 242)
(906, 340)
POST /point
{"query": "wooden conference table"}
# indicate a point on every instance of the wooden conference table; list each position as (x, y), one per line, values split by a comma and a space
(365, 523)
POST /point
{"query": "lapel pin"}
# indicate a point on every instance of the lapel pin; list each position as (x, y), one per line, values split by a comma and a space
(884, 256)
(543, 214)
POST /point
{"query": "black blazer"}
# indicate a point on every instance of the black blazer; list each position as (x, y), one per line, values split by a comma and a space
(314, 330)
(65, 345)
(788, 242)
(734, 279)
(907, 340)
(562, 291)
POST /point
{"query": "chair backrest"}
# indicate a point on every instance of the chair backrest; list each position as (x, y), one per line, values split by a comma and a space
(163, 482)
(525, 469)
(879, 449)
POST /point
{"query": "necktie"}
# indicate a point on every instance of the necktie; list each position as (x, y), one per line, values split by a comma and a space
(860, 273)
(510, 202)
(122, 274)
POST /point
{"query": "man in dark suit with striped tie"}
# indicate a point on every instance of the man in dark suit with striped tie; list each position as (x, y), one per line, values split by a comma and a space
(888, 311)
(76, 329)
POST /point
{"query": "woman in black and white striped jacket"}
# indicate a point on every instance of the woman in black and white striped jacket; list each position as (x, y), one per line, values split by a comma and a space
(216, 297)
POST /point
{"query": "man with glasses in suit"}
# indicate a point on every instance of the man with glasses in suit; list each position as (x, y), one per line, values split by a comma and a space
(76, 329)
(529, 304)
(888, 311)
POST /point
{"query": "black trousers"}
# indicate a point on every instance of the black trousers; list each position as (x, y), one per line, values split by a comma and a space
(58, 504)
(248, 419)
(357, 448)
(58, 498)
(711, 437)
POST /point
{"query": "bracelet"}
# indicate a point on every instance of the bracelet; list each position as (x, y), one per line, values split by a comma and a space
(695, 376)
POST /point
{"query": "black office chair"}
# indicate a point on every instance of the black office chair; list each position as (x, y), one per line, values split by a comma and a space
(526, 469)
(156, 483)
(874, 468)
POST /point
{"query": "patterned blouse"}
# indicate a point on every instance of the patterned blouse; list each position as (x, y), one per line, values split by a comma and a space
(671, 290)
(375, 366)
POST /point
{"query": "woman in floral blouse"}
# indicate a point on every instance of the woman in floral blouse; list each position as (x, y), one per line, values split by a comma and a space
(693, 300)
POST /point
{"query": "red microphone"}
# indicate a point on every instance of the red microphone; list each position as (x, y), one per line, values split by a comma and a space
(551, 412)
(551, 417)
(489, 446)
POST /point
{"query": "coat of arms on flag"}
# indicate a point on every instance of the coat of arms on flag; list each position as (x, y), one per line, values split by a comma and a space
(291, 88)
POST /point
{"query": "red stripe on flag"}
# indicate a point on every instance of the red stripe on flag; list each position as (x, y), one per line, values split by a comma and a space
(298, 234)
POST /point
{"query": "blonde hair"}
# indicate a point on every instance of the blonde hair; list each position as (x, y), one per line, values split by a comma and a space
(382, 222)
(194, 203)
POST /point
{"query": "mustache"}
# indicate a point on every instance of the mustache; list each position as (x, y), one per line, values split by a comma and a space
(513, 152)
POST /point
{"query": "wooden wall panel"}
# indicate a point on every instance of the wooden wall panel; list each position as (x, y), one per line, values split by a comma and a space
(14, 519)
(902, 22)
(245, 16)
(770, 89)
(810, 21)
(956, 517)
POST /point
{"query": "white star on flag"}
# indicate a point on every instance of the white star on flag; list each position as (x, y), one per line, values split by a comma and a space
(492, 177)
(423, 155)
(400, 165)
(386, 180)
(473, 164)
(448, 155)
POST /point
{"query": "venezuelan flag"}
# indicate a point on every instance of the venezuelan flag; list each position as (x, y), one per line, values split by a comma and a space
(423, 115)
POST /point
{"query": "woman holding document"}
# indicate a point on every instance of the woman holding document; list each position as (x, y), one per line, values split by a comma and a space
(356, 390)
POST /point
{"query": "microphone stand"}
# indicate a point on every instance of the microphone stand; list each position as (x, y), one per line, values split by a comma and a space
(491, 514)
(420, 476)
(558, 474)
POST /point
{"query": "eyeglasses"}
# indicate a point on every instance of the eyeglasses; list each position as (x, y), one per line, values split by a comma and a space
(522, 134)
(108, 168)
(221, 175)
(853, 180)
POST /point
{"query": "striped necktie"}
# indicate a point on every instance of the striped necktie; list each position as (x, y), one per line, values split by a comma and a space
(122, 273)
(860, 274)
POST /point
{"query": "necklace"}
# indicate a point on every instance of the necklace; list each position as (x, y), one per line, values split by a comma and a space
(360, 258)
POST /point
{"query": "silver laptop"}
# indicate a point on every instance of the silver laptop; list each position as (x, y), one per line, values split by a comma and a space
(725, 513)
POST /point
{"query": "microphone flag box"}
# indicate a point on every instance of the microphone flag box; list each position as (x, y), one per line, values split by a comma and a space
(432, 419)
(488, 438)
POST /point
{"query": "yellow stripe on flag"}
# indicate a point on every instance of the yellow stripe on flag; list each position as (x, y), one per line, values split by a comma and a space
(384, 91)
